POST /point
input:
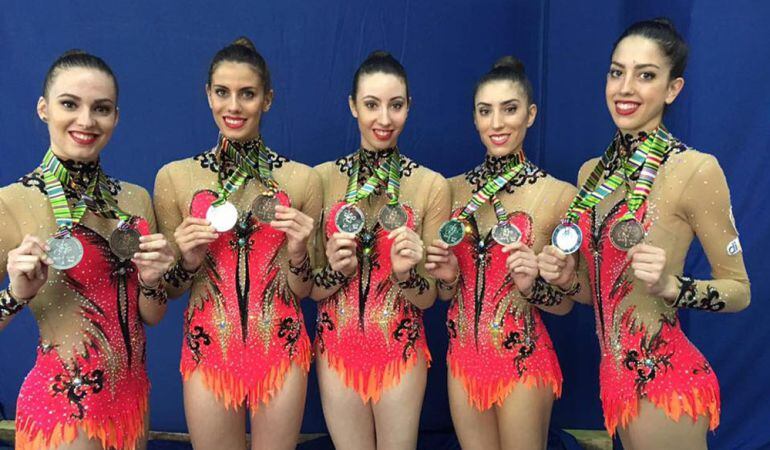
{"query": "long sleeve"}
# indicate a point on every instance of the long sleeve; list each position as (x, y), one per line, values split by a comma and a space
(10, 237)
(169, 215)
(705, 202)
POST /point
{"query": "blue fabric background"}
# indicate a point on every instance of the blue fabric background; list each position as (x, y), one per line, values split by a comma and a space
(161, 50)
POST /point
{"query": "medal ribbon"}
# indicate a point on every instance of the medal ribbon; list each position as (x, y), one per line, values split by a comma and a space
(253, 162)
(388, 172)
(55, 176)
(653, 148)
(490, 189)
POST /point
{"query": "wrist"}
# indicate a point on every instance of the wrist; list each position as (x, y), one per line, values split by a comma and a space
(297, 259)
(149, 283)
(20, 298)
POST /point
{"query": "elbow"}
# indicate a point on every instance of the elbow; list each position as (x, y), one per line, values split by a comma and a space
(564, 308)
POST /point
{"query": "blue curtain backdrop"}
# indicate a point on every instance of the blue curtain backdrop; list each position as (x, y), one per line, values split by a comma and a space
(160, 52)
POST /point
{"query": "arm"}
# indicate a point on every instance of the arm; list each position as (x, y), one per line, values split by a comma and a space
(415, 287)
(705, 204)
(153, 260)
(299, 226)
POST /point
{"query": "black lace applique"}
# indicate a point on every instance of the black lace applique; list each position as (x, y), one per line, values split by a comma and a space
(648, 361)
(194, 338)
(77, 386)
(523, 344)
(323, 324)
(35, 180)
(210, 160)
(345, 165)
(303, 271)
(408, 329)
(328, 278)
(479, 175)
(702, 369)
(543, 294)
(9, 306)
(415, 281)
(290, 331)
(688, 296)
(177, 276)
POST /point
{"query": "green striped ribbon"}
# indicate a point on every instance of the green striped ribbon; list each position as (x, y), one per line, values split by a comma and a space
(55, 176)
(252, 162)
(591, 193)
(388, 172)
(490, 189)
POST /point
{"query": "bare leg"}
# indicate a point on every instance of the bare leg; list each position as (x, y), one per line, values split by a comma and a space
(350, 421)
(211, 425)
(277, 424)
(397, 414)
(524, 417)
(82, 442)
(652, 429)
(476, 430)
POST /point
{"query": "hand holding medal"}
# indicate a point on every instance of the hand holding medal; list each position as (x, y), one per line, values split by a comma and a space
(555, 266)
(406, 251)
(153, 258)
(193, 237)
(28, 267)
(522, 265)
(341, 253)
(441, 262)
(649, 264)
(298, 227)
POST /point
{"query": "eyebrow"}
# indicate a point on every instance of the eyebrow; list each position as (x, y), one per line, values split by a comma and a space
(372, 97)
(505, 102)
(221, 86)
(75, 97)
(638, 66)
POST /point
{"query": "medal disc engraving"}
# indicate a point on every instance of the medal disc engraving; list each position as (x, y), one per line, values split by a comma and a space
(350, 219)
(626, 234)
(222, 217)
(263, 207)
(124, 242)
(505, 233)
(452, 232)
(66, 251)
(567, 237)
(392, 217)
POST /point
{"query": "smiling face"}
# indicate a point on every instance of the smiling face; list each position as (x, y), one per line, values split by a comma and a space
(81, 112)
(502, 114)
(638, 85)
(381, 108)
(237, 100)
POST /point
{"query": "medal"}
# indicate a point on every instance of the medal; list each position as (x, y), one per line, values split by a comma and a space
(567, 237)
(263, 207)
(626, 234)
(222, 217)
(392, 217)
(350, 219)
(66, 251)
(451, 232)
(124, 242)
(505, 233)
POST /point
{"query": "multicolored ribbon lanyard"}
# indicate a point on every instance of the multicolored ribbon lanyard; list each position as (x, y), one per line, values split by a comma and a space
(252, 163)
(453, 230)
(350, 218)
(628, 231)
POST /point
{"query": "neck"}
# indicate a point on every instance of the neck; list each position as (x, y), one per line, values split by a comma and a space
(74, 159)
(496, 164)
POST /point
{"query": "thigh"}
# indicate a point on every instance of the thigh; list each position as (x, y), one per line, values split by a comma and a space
(475, 429)
(397, 414)
(82, 442)
(524, 416)
(652, 429)
(211, 425)
(277, 424)
(348, 418)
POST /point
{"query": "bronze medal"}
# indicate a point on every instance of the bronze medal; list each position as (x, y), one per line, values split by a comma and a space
(392, 217)
(263, 207)
(505, 233)
(124, 242)
(626, 234)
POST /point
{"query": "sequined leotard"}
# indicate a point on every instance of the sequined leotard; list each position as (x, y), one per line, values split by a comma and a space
(645, 354)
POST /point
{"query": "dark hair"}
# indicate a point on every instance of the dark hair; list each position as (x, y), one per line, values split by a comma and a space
(663, 32)
(242, 50)
(76, 58)
(507, 68)
(379, 61)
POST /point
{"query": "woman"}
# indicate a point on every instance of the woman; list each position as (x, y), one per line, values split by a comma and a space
(378, 207)
(78, 248)
(503, 371)
(240, 216)
(638, 210)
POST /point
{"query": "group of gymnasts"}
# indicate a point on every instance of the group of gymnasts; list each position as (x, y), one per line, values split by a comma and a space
(374, 238)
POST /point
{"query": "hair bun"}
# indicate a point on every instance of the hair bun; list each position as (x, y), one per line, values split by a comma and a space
(243, 41)
(73, 52)
(664, 21)
(379, 54)
(509, 62)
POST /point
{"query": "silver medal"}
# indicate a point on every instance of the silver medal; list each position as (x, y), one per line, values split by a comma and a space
(567, 237)
(505, 233)
(66, 251)
(222, 217)
(350, 219)
(392, 217)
